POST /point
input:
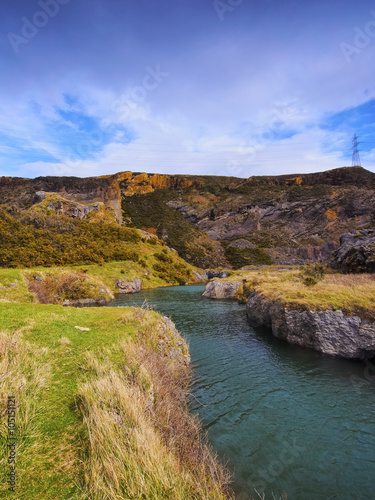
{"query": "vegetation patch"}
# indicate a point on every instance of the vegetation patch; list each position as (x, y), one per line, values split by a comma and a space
(240, 257)
(29, 239)
(151, 211)
(101, 410)
(352, 294)
(61, 286)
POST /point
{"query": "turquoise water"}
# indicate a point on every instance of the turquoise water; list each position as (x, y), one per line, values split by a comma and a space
(286, 420)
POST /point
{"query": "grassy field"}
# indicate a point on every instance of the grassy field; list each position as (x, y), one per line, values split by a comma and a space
(354, 294)
(101, 412)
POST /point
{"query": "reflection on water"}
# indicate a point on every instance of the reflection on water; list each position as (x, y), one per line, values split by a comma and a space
(286, 419)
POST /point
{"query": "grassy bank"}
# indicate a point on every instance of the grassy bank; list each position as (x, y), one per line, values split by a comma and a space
(158, 268)
(101, 409)
(354, 294)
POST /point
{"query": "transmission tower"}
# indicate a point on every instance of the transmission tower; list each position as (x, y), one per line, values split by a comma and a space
(356, 161)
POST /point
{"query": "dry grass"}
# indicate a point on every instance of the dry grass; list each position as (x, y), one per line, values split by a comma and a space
(24, 373)
(353, 294)
(140, 440)
(61, 285)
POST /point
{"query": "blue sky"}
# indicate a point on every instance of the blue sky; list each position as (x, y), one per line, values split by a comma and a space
(226, 87)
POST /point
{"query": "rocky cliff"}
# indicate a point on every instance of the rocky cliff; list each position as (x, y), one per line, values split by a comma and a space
(213, 220)
(329, 332)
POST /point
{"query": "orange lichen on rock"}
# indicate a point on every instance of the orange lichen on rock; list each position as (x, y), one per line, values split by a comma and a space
(331, 214)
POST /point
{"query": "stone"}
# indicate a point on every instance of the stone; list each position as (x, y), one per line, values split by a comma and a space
(85, 302)
(126, 286)
(221, 289)
(38, 278)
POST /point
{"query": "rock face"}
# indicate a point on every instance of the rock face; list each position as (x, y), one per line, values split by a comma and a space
(170, 342)
(221, 289)
(356, 253)
(329, 332)
(126, 286)
(85, 302)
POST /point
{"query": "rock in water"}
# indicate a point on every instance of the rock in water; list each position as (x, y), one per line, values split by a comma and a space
(221, 289)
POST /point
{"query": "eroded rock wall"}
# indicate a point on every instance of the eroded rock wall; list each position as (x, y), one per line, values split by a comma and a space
(329, 332)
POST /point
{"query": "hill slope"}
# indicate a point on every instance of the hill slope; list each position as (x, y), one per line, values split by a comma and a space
(211, 219)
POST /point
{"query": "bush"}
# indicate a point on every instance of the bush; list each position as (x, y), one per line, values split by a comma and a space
(57, 287)
(310, 275)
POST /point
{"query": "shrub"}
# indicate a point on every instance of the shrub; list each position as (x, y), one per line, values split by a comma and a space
(310, 275)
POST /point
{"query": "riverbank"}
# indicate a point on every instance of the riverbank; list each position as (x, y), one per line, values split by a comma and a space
(101, 406)
(335, 315)
(156, 269)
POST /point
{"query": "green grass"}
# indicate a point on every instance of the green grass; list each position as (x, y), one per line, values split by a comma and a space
(56, 419)
(192, 243)
(175, 272)
(46, 358)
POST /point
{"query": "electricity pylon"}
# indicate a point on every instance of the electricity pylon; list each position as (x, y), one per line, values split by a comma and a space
(356, 161)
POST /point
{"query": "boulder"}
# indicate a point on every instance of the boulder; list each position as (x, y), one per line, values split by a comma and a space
(356, 253)
(221, 289)
(126, 286)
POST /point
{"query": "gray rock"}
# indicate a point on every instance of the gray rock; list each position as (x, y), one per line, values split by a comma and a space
(38, 278)
(12, 284)
(126, 286)
(329, 332)
(171, 344)
(356, 253)
(211, 274)
(241, 243)
(84, 302)
(221, 289)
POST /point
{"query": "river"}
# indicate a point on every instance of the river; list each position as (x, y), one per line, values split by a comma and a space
(288, 421)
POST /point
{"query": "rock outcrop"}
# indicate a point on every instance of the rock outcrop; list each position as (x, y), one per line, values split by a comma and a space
(85, 302)
(329, 332)
(210, 220)
(221, 289)
(356, 253)
(170, 342)
(126, 286)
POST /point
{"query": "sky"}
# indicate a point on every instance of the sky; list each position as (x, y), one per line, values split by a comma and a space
(215, 87)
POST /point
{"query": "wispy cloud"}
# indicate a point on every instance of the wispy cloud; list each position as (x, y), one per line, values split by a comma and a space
(168, 87)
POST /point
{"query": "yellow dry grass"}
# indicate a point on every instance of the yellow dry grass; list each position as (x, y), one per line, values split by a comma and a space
(353, 294)
(136, 442)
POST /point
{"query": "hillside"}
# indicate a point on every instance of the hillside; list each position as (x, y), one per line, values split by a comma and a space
(212, 220)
